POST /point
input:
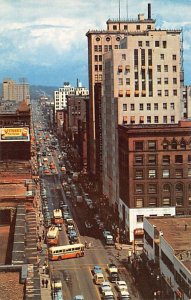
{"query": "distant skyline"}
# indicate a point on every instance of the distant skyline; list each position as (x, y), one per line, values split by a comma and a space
(45, 41)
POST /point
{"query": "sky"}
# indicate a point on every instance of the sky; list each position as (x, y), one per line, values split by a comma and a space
(45, 41)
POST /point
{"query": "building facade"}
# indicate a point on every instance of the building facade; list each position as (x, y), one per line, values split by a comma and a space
(154, 172)
(60, 96)
(15, 91)
(167, 244)
(141, 85)
(100, 42)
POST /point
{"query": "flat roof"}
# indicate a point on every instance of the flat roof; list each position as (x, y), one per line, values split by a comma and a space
(12, 191)
(10, 287)
(176, 230)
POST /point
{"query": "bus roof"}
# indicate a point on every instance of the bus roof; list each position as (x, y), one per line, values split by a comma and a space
(65, 247)
(57, 213)
(52, 231)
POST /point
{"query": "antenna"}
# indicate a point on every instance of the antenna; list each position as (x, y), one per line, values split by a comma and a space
(119, 12)
(127, 8)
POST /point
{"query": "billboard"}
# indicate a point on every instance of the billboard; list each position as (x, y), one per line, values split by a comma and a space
(14, 134)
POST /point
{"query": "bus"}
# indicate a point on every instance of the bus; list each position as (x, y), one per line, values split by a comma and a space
(66, 251)
(52, 235)
(57, 216)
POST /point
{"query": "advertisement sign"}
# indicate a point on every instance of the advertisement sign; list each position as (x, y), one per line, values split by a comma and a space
(14, 134)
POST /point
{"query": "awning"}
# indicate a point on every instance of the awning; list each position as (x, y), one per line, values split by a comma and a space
(128, 92)
(142, 67)
(127, 67)
(142, 118)
(150, 67)
(136, 92)
(132, 118)
(125, 118)
(120, 93)
(178, 293)
(143, 92)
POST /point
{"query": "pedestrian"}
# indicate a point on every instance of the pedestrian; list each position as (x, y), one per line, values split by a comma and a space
(43, 282)
(86, 244)
(43, 269)
(39, 238)
(46, 282)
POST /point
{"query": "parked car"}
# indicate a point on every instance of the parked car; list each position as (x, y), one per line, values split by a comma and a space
(121, 285)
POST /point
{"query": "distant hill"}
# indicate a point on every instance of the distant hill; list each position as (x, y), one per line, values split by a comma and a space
(37, 91)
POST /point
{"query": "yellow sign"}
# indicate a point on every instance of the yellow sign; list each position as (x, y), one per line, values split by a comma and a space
(14, 134)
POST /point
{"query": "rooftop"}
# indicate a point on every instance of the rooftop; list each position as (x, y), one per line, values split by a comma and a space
(10, 287)
(177, 232)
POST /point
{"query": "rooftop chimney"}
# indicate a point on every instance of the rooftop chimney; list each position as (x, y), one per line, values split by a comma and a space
(149, 11)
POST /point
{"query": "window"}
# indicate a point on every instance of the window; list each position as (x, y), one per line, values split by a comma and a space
(148, 106)
(166, 68)
(156, 119)
(165, 173)
(159, 93)
(148, 27)
(179, 188)
(139, 159)
(100, 67)
(164, 43)
(174, 144)
(172, 118)
(124, 107)
(158, 80)
(147, 43)
(172, 105)
(174, 80)
(140, 44)
(166, 80)
(178, 159)
(123, 56)
(120, 81)
(139, 188)
(96, 67)
(148, 119)
(164, 119)
(127, 81)
(189, 159)
(179, 201)
(155, 106)
(152, 189)
(138, 27)
(174, 56)
(152, 145)
(141, 107)
(140, 218)
(166, 93)
(132, 107)
(99, 48)
(139, 146)
(114, 27)
(156, 43)
(166, 160)
(158, 68)
(189, 200)
(152, 201)
(152, 160)
(152, 173)
(105, 48)
(174, 68)
(118, 38)
(166, 201)
(107, 38)
(138, 174)
(174, 92)
(164, 106)
(125, 27)
(96, 58)
(179, 173)
(166, 188)
(162, 56)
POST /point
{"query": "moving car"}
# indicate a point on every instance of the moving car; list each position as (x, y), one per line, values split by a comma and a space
(121, 285)
(97, 269)
(124, 295)
(105, 287)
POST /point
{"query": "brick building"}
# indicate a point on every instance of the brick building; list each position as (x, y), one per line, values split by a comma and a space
(154, 172)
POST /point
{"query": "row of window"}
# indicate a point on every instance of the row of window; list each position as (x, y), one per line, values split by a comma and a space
(107, 38)
(152, 145)
(166, 173)
(142, 93)
(141, 120)
(125, 27)
(162, 44)
(152, 159)
(153, 188)
(166, 202)
(165, 106)
(159, 81)
(106, 48)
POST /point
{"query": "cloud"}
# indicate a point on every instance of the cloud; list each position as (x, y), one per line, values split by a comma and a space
(49, 37)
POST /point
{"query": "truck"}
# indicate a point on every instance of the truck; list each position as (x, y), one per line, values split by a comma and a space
(113, 272)
(108, 237)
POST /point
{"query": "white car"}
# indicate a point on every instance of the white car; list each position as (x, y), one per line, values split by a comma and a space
(105, 287)
(108, 295)
(121, 285)
(124, 295)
